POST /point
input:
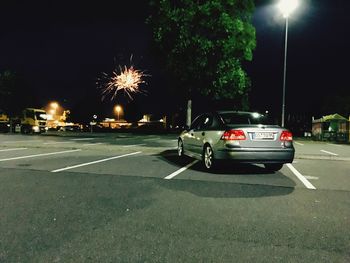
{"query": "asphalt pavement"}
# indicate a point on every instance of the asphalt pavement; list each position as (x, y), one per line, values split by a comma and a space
(119, 197)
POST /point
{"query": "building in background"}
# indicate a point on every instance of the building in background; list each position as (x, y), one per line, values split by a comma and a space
(332, 127)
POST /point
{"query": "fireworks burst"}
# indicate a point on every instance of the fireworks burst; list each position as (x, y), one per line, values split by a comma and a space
(126, 79)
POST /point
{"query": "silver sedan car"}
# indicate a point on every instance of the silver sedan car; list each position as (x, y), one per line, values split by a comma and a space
(237, 136)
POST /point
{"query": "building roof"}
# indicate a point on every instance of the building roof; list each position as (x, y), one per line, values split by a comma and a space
(332, 117)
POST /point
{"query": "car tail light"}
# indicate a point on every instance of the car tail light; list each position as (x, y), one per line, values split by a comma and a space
(286, 136)
(233, 135)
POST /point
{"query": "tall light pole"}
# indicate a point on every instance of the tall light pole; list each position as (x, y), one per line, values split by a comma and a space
(286, 7)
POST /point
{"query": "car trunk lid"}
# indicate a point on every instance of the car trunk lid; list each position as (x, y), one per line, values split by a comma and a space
(256, 136)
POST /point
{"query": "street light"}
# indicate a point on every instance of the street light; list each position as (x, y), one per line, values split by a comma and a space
(54, 105)
(53, 108)
(93, 122)
(118, 108)
(286, 7)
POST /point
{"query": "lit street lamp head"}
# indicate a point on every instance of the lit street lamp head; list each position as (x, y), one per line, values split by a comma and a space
(118, 108)
(288, 6)
(54, 105)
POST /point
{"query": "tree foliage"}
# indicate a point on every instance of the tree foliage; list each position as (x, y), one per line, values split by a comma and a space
(203, 44)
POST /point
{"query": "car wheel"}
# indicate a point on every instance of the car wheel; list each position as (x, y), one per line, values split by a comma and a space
(273, 167)
(208, 157)
(180, 148)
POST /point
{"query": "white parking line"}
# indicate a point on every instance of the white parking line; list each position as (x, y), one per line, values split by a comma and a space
(13, 149)
(90, 144)
(170, 176)
(335, 144)
(22, 141)
(141, 144)
(89, 163)
(299, 143)
(301, 177)
(125, 136)
(83, 139)
(55, 142)
(152, 139)
(311, 177)
(37, 155)
(329, 152)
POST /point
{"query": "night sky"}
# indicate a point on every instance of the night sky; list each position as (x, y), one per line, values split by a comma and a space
(318, 54)
(61, 48)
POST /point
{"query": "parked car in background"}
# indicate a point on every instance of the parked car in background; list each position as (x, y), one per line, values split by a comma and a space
(72, 128)
(237, 136)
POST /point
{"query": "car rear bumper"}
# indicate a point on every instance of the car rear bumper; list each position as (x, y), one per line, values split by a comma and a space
(244, 155)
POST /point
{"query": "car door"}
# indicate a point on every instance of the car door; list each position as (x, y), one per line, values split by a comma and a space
(201, 131)
(190, 139)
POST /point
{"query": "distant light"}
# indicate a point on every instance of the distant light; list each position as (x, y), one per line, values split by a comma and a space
(288, 6)
(54, 105)
(118, 108)
(256, 115)
(44, 116)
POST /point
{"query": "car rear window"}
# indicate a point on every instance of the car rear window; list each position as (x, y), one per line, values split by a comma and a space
(244, 118)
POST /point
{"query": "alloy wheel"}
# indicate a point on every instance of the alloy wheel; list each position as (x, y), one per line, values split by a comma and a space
(208, 157)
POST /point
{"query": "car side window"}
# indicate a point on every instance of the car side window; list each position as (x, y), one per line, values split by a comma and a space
(196, 123)
(217, 122)
(206, 122)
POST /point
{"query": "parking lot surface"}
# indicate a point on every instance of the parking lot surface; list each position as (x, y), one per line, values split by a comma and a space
(90, 197)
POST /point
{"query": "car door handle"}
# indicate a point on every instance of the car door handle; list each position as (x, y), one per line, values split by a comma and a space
(203, 133)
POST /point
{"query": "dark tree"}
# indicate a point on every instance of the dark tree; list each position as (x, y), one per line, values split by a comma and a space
(203, 44)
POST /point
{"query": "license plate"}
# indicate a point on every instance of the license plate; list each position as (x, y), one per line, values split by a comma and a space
(263, 136)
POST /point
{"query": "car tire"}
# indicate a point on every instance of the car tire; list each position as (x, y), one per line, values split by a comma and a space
(180, 148)
(208, 157)
(273, 167)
